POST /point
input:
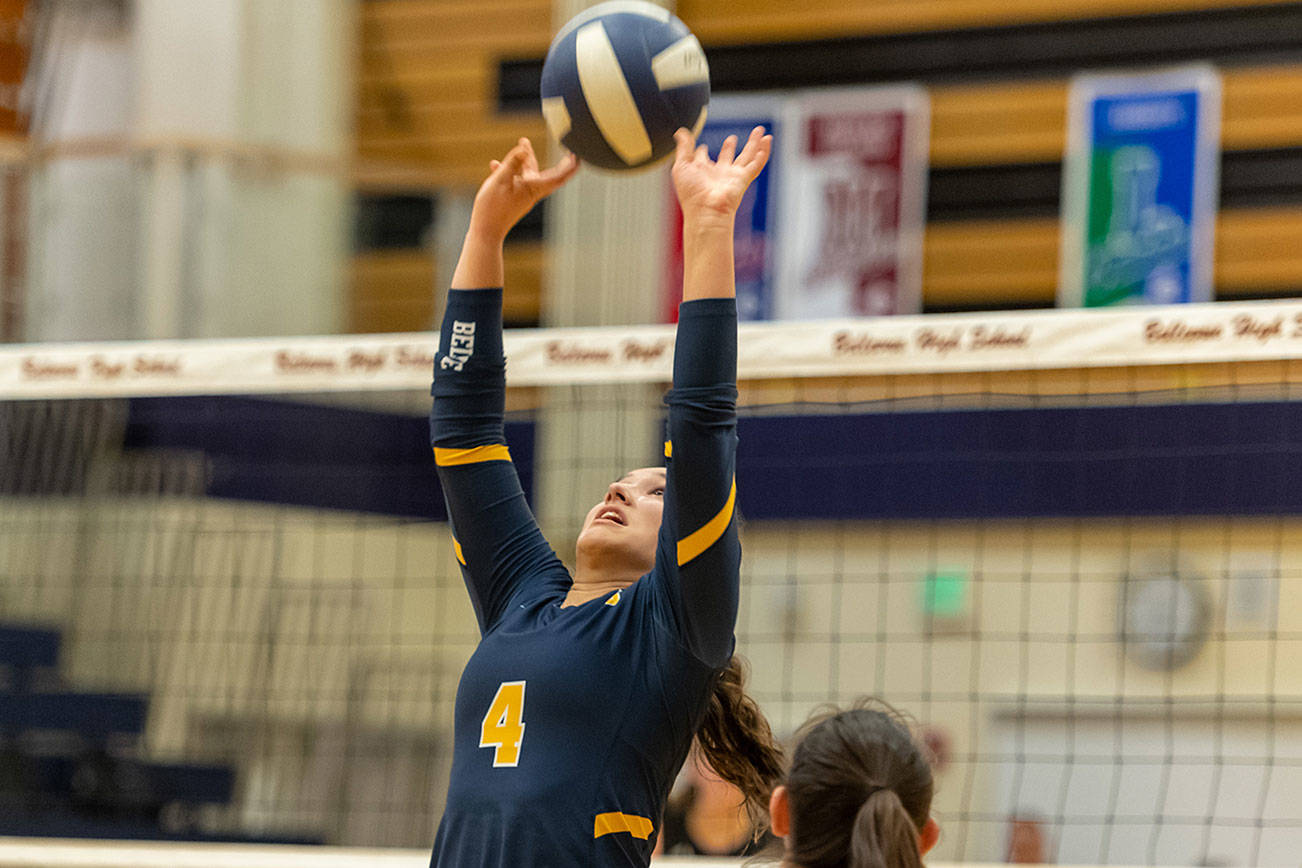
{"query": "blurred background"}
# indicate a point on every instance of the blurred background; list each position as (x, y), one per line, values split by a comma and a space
(238, 617)
(217, 170)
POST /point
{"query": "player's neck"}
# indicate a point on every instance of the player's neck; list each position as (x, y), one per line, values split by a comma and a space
(596, 577)
(577, 595)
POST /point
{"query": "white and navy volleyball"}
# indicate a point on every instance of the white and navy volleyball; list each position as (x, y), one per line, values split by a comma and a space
(619, 79)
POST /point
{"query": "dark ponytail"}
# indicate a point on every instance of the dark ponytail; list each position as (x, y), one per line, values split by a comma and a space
(736, 739)
(859, 791)
(884, 835)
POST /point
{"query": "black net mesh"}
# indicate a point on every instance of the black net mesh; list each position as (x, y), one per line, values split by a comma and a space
(240, 617)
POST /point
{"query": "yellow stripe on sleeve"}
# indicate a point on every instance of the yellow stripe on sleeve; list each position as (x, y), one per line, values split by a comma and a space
(456, 548)
(454, 457)
(694, 543)
(669, 449)
(615, 821)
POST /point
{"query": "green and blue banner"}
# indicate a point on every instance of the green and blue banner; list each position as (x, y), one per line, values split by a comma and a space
(1140, 188)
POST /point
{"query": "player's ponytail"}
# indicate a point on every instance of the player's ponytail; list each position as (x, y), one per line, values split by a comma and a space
(736, 739)
(884, 836)
(859, 792)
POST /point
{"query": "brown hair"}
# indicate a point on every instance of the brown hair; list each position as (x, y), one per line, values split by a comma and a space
(737, 741)
(860, 791)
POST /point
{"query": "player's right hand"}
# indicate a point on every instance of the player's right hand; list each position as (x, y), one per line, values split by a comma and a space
(514, 186)
(714, 188)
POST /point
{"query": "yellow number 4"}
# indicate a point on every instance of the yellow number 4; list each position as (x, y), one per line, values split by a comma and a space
(503, 726)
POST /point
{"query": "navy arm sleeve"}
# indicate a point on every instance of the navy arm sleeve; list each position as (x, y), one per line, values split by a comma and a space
(698, 559)
(497, 541)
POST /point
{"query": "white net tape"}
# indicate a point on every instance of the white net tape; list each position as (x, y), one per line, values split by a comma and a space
(902, 345)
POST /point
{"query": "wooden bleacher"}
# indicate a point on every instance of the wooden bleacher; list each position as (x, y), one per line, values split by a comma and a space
(69, 759)
(427, 99)
(775, 21)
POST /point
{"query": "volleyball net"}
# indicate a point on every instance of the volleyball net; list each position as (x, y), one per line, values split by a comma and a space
(1066, 542)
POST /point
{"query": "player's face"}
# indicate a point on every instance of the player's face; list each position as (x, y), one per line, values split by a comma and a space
(627, 521)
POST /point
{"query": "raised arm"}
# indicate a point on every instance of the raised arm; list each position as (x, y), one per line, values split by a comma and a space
(699, 555)
(497, 541)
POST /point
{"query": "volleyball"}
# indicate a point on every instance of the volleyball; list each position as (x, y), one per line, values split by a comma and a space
(619, 79)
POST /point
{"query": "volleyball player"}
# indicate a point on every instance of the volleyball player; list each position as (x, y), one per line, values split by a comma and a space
(858, 795)
(583, 696)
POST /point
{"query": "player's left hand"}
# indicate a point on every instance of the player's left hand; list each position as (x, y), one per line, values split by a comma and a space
(708, 188)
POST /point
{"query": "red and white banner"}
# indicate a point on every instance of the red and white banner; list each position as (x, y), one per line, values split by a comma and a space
(854, 201)
(1026, 340)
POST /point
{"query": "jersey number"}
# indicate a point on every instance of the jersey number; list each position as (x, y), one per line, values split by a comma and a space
(503, 726)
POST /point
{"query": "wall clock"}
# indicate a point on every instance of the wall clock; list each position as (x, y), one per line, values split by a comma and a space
(1164, 620)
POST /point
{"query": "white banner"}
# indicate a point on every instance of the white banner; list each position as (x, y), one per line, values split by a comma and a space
(1222, 332)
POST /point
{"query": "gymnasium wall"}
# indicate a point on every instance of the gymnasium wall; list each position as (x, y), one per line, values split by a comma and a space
(319, 650)
(446, 85)
(831, 611)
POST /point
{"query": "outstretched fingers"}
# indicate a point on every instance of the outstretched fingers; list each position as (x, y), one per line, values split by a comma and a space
(755, 155)
(683, 153)
(559, 173)
(520, 168)
(513, 162)
(761, 157)
(753, 142)
(530, 158)
(727, 151)
(683, 142)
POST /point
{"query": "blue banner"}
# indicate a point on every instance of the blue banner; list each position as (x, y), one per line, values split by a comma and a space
(754, 234)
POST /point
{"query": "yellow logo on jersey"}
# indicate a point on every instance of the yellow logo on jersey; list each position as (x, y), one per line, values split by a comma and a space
(614, 600)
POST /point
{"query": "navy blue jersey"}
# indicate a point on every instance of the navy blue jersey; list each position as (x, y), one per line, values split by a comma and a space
(571, 723)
